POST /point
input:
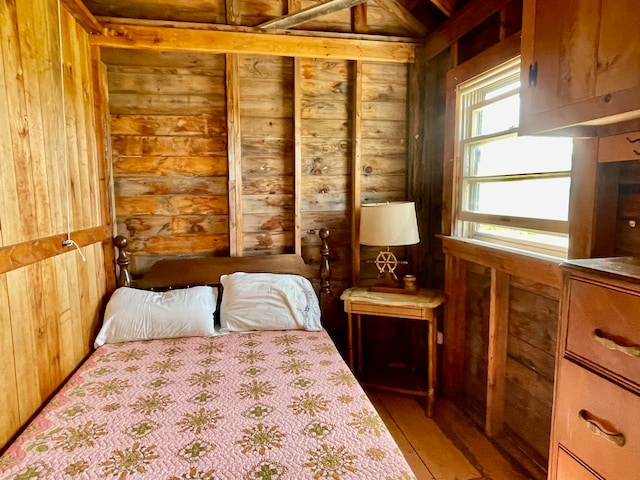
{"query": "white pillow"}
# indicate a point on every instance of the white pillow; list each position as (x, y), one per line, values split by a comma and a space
(133, 314)
(268, 301)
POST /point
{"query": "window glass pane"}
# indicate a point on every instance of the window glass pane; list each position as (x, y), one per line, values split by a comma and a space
(561, 241)
(497, 117)
(545, 198)
(519, 155)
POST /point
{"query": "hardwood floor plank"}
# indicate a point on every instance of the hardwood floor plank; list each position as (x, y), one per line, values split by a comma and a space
(413, 458)
(474, 444)
(441, 457)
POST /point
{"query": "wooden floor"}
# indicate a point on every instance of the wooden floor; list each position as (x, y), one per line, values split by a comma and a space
(446, 447)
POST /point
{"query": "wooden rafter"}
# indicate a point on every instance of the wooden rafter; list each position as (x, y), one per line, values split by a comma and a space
(187, 39)
(470, 16)
(446, 6)
(403, 15)
(308, 14)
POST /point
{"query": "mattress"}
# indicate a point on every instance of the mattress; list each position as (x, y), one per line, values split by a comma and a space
(268, 405)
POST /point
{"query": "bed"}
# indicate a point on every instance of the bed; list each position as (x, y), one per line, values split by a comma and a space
(271, 400)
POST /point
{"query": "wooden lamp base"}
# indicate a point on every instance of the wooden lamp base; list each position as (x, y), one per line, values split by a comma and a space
(391, 284)
(385, 289)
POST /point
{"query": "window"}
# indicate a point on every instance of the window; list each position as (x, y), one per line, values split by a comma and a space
(512, 191)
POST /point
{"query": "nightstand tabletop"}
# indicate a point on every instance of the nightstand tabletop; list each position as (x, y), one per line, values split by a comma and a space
(424, 297)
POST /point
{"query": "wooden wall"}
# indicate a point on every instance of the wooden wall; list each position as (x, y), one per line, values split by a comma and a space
(186, 183)
(53, 182)
(531, 343)
(169, 140)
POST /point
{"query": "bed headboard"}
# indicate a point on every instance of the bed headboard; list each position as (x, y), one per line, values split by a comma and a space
(180, 273)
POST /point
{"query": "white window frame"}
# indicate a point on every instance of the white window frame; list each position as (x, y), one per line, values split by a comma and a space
(465, 223)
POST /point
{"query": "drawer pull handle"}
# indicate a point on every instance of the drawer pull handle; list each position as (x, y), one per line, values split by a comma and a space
(597, 428)
(632, 350)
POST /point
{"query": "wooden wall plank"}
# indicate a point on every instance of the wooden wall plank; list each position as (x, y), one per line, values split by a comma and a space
(25, 344)
(104, 180)
(268, 161)
(10, 420)
(10, 223)
(174, 125)
(26, 228)
(297, 155)
(454, 325)
(163, 61)
(88, 121)
(497, 355)
(204, 11)
(234, 152)
(67, 318)
(356, 168)
(34, 50)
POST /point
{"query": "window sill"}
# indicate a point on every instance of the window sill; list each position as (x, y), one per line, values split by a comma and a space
(536, 267)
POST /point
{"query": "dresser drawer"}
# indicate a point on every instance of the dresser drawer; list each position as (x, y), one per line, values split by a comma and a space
(569, 468)
(597, 421)
(604, 330)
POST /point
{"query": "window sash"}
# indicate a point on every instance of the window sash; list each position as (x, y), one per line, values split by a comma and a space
(472, 97)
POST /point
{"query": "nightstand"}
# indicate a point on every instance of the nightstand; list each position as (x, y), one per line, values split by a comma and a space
(422, 306)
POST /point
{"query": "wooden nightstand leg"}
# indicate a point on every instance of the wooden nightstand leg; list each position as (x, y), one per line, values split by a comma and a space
(432, 349)
(350, 339)
(359, 336)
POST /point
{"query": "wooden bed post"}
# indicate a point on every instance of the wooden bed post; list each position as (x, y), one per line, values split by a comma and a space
(325, 268)
(124, 276)
(326, 297)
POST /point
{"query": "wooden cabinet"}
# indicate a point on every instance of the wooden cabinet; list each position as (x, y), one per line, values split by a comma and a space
(579, 63)
(619, 148)
(596, 409)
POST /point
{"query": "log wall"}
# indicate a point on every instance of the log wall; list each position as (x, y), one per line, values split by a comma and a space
(53, 183)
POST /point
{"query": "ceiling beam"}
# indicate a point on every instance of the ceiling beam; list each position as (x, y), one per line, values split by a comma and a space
(470, 16)
(310, 13)
(82, 15)
(217, 27)
(187, 39)
(404, 16)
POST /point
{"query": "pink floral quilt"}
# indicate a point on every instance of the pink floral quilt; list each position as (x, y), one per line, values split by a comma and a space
(272, 405)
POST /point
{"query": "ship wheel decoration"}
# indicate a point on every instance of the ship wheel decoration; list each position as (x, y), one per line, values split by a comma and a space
(387, 262)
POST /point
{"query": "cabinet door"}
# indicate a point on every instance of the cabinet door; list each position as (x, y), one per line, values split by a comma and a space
(585, 55)
(559, 41)
(619, 47)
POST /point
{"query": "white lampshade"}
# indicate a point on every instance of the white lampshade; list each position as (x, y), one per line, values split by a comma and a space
(388, 224)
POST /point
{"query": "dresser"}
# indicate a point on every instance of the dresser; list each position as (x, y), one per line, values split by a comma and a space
(596, 410)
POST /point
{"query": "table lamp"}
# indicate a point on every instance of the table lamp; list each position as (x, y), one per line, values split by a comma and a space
(387, 225)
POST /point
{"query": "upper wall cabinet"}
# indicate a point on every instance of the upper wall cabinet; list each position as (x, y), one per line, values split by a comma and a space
(580, 64)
